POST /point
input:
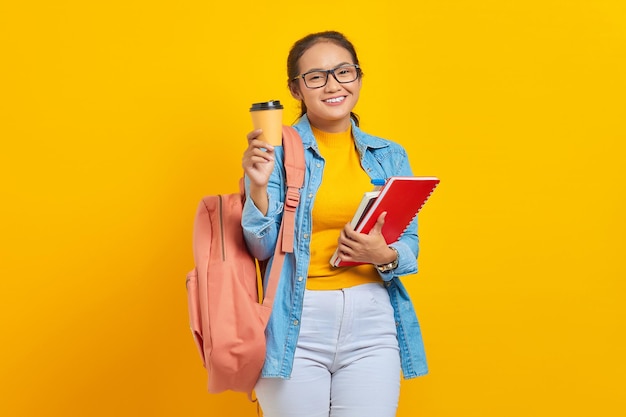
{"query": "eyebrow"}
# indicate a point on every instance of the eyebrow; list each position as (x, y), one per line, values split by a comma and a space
(322, 69)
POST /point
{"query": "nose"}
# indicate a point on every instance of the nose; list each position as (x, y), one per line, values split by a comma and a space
(332, 84)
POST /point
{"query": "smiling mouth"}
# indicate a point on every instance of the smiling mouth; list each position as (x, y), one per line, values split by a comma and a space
(335, 99)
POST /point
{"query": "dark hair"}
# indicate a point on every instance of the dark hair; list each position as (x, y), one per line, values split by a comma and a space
(300, 47)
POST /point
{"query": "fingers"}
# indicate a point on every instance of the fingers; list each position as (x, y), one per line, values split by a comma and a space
(344, 250)
(380, 222)
(257, 151)
(255, 142)
(254, 155)
(254, 134)
(258, 159)
(348, 235)
(355, 246)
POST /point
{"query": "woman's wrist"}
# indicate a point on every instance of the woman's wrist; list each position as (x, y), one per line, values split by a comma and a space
(392, 262)
(258, 194)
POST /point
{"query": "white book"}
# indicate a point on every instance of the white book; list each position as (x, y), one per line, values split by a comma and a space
(366, 202)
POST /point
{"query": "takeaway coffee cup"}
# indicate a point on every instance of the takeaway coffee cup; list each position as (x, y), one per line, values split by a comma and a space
(268, 116)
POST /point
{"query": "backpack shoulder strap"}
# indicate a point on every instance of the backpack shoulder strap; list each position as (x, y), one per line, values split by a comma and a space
(294, 169)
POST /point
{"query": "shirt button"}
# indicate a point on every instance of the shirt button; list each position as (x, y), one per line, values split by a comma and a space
(300, 279)
(306, 236)
(311, 195)
(318, 165)
(295, 322)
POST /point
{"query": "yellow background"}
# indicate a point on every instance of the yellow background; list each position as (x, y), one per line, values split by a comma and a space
(116, 117)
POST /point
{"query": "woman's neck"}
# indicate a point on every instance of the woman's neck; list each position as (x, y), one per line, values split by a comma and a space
(337, 140)
(331, 126)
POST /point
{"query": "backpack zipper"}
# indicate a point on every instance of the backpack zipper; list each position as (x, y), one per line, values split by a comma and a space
(219, 211)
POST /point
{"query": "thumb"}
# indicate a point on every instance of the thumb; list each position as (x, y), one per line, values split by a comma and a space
(380, 222)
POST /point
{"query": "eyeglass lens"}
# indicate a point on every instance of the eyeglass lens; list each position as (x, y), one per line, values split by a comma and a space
(344, 74)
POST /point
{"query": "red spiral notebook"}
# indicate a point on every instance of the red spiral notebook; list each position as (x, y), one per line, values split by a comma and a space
(402, 198)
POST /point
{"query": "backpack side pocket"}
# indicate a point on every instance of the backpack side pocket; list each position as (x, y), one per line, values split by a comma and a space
(195, 318)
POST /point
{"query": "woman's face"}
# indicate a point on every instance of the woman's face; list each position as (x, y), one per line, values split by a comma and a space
(328, 107)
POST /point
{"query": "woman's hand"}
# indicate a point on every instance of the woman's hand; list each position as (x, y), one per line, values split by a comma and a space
(258, 164)
(368, 248)
(258, 160)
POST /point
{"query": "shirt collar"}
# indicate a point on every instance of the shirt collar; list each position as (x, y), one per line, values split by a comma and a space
(362, 140)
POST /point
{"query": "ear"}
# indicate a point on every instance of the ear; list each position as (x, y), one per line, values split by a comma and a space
(294, 89)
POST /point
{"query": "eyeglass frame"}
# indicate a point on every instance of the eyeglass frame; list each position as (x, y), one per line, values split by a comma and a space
(330, 71)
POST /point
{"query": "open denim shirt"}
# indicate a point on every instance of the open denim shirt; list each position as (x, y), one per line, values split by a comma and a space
(380, 159)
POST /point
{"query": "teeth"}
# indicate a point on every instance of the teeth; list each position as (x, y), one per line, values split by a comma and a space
(335, 100)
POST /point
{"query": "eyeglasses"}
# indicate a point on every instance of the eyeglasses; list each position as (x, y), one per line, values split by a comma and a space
(343, 74)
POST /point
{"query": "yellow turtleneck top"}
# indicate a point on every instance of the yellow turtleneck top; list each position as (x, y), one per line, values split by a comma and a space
(340, 192)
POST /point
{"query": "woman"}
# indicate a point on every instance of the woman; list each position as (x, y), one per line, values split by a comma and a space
(337, 337)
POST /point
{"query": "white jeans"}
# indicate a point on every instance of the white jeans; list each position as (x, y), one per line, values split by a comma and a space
(347, 360)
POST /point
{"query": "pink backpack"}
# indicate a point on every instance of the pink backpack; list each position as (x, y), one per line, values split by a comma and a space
(226, 318)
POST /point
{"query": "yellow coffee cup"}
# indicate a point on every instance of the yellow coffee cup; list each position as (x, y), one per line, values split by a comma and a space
(268, 116)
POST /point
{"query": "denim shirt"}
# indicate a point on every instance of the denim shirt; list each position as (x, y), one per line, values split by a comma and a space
(380, 159)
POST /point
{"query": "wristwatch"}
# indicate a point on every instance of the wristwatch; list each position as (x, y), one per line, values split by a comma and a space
(391, 265)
